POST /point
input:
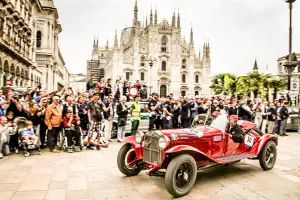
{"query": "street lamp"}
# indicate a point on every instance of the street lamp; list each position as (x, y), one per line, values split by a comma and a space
(291, 62)
(151, 61)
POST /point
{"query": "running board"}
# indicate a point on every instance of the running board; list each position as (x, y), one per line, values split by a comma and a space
(233, 158)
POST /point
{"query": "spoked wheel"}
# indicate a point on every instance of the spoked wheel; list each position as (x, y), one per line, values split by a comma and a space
(181, 175)
(268, 155)
(127, 155)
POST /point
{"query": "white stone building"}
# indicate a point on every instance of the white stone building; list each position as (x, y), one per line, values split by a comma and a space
(177, 69)
(50, 61)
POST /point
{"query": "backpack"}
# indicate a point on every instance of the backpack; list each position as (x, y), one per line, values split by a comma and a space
(97, 112)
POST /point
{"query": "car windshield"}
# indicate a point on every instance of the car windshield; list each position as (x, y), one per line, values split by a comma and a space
(219, 122)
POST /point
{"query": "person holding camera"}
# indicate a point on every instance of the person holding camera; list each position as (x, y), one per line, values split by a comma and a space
(95, 116)
(71, 124)
(82, 112)
(14, 105)
(122, 112)
(154, 116)
(34, 115)
(108, 118)
(53, 120)
(91, 85)
(43, 127)
(69, 105)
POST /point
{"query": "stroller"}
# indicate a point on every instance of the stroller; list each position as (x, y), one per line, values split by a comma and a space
(19, 126)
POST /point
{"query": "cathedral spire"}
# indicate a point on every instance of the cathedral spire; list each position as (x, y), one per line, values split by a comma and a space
(155, 17)
(106, 47)
(151, 17)
(135, 20)
(116, 44)
(255, 67)
(146, 20)
(174, 20)
(208, 50)
(199, 53)
(192, 36)
(204, 50)
(178, 20)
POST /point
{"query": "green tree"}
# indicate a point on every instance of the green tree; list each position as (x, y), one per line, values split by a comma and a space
(277, 85)
(252, 82)
(224, 84)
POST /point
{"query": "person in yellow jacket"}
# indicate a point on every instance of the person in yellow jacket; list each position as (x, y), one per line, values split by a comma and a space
(135, 112)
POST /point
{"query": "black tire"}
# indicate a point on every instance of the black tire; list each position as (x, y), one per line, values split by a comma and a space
(267, 157)
(123, 153)
(173, 168)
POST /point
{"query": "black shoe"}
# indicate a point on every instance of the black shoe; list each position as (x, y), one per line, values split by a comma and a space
(98, 148)
(89, 148)
(285, 134)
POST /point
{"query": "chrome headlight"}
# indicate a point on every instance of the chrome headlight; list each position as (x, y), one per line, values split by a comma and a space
(163, 142)
(139, 135)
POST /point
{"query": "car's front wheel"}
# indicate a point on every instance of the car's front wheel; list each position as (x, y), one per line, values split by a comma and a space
(125, 156)
(181, 175)
(268, 155)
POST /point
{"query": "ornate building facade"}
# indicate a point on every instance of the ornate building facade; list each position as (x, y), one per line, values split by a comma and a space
(49, 58)
(25, 42)
(176, 68)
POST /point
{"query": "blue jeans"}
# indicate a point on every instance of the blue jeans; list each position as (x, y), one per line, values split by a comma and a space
(166, 123)
(121, 133)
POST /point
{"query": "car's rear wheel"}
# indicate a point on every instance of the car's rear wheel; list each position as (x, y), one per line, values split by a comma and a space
(268, 155)
(125, 156)
(181, 175)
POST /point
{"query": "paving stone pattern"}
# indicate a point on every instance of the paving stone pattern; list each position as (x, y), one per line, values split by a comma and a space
(93, 175)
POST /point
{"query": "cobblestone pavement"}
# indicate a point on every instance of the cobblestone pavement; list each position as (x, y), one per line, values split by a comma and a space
(94, 175)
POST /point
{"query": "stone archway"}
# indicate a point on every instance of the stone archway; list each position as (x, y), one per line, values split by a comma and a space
(6, 67)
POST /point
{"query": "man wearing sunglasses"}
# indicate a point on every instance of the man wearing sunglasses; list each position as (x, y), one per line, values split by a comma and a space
(53, 119)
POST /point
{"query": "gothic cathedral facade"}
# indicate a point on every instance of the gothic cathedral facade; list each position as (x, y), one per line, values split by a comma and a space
(155, 54)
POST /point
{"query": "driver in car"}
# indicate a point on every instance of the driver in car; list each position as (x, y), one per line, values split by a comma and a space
(235, 130)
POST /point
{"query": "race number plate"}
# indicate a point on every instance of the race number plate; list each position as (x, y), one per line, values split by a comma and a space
(249, 140)
(289, 120)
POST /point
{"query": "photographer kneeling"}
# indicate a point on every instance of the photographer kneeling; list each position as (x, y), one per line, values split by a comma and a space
(72, 130)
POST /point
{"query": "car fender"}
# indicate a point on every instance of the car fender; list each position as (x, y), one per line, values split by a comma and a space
(137, 147)
(264, 139)
(187, 148)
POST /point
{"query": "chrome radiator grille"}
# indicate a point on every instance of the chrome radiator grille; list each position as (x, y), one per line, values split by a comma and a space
(152, 153)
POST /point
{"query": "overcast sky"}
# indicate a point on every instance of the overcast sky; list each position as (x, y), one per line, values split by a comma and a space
(238, 30)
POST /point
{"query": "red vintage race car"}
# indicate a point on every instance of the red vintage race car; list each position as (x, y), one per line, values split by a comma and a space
(178, 154)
